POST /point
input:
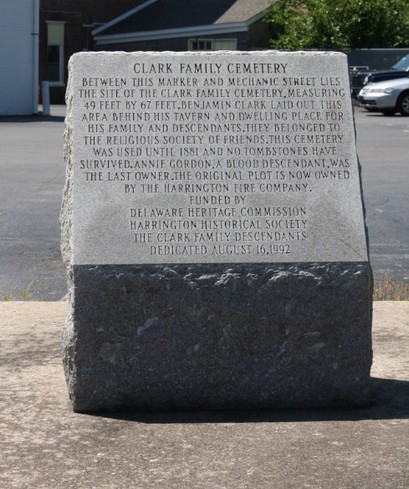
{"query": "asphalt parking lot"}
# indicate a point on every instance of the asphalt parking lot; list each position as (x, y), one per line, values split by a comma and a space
(382, 143)
(31, 181)
(32, 177)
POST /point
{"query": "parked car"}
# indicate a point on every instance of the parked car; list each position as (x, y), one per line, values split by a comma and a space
(362, 78)
(388, 97)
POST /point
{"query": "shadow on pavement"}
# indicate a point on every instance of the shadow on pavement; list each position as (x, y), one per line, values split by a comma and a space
(31, 118)
(389, 400)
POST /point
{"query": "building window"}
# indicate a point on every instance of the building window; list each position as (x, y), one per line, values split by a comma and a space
(200, 45)
(55, 52)
(54, 64)
(212, 44)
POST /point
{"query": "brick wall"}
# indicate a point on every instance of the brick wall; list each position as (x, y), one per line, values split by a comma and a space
(76, 14)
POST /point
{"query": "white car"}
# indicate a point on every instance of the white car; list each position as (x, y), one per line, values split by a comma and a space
(388, 97)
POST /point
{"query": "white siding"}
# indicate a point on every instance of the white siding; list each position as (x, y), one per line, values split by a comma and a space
(18, 59)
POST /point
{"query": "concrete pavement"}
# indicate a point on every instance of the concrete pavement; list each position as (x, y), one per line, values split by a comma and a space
(44, 445)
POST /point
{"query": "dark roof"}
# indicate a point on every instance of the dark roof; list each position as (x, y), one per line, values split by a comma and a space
(175, 14)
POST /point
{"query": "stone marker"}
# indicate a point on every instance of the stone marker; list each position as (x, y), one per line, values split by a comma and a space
(213, 232)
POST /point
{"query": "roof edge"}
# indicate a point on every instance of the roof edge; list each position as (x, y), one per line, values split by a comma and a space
(173, 33)
(257, 17)
(123, 16)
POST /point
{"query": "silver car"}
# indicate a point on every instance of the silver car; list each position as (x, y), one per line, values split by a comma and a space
(388, 97)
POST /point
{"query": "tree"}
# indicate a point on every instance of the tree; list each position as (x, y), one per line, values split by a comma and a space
(339, 24)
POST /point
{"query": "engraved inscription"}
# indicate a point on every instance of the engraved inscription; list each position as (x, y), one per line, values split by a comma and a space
(207, 159)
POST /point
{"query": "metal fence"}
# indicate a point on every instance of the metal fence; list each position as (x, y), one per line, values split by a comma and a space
(374, 59)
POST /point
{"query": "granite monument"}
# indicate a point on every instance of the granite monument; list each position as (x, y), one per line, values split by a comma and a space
(213, 233)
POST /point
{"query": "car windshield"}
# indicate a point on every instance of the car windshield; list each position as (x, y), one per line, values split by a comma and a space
(402, 64)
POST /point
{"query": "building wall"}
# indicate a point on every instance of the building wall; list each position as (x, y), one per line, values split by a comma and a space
(80, 17)
(18, 57)
(176, 44)
(260, 35)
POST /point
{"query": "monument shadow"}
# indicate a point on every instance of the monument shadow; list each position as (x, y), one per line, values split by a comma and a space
(389, 400)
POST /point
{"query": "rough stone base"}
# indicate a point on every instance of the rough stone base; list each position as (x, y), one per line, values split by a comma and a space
(219, 337)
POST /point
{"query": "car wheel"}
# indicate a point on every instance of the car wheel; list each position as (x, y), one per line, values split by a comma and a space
(403, 103)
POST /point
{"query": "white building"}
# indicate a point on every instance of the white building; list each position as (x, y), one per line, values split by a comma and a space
(19, 23)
